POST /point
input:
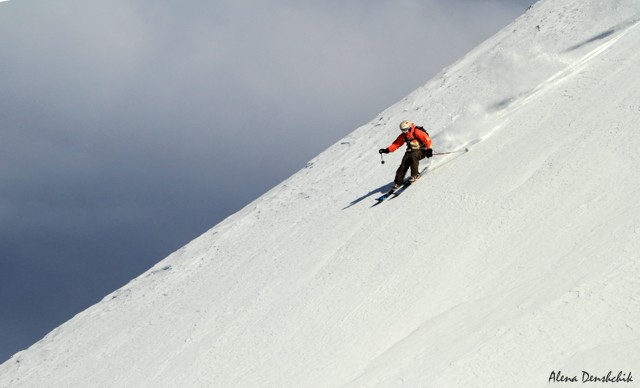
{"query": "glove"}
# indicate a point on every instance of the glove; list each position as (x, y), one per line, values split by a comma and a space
(429, 152)
(383, 151)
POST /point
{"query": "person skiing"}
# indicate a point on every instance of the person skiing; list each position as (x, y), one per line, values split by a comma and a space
(418, 147)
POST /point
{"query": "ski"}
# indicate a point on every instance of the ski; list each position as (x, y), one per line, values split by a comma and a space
(397, 191)
(405, 186)
(386, 195)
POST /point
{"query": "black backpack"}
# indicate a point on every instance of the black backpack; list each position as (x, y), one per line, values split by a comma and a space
(423, 130)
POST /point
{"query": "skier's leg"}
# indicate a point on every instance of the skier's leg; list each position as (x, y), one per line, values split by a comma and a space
(415, 162)
(402, 170)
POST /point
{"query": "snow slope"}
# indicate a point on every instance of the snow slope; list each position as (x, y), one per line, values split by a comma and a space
(501, 266)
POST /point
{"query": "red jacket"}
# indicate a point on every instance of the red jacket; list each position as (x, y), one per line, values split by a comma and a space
(407, 138)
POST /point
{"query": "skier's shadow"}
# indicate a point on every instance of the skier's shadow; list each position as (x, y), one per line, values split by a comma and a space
(379, 190)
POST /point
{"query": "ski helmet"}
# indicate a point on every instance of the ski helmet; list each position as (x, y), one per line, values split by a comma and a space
(405, 126)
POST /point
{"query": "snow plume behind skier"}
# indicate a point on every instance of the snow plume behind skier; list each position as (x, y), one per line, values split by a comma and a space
(418, 147)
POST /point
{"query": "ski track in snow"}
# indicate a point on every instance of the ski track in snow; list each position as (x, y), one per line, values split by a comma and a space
(501, 265)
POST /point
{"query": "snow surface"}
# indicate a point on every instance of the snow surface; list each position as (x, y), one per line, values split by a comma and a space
(515, 260)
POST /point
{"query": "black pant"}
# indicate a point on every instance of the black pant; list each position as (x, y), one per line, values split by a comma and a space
(410, 160)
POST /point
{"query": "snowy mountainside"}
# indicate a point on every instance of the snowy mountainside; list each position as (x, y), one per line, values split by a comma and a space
(501, 266)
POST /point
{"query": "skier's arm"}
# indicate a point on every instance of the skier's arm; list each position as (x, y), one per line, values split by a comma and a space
(399, 142)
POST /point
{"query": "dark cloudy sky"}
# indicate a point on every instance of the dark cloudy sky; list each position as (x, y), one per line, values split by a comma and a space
(128, 128)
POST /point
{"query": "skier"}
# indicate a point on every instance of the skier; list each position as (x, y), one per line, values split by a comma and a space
(418, 147)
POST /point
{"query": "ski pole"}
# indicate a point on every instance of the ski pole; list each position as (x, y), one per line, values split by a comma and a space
(450, 152)
(381, 159)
